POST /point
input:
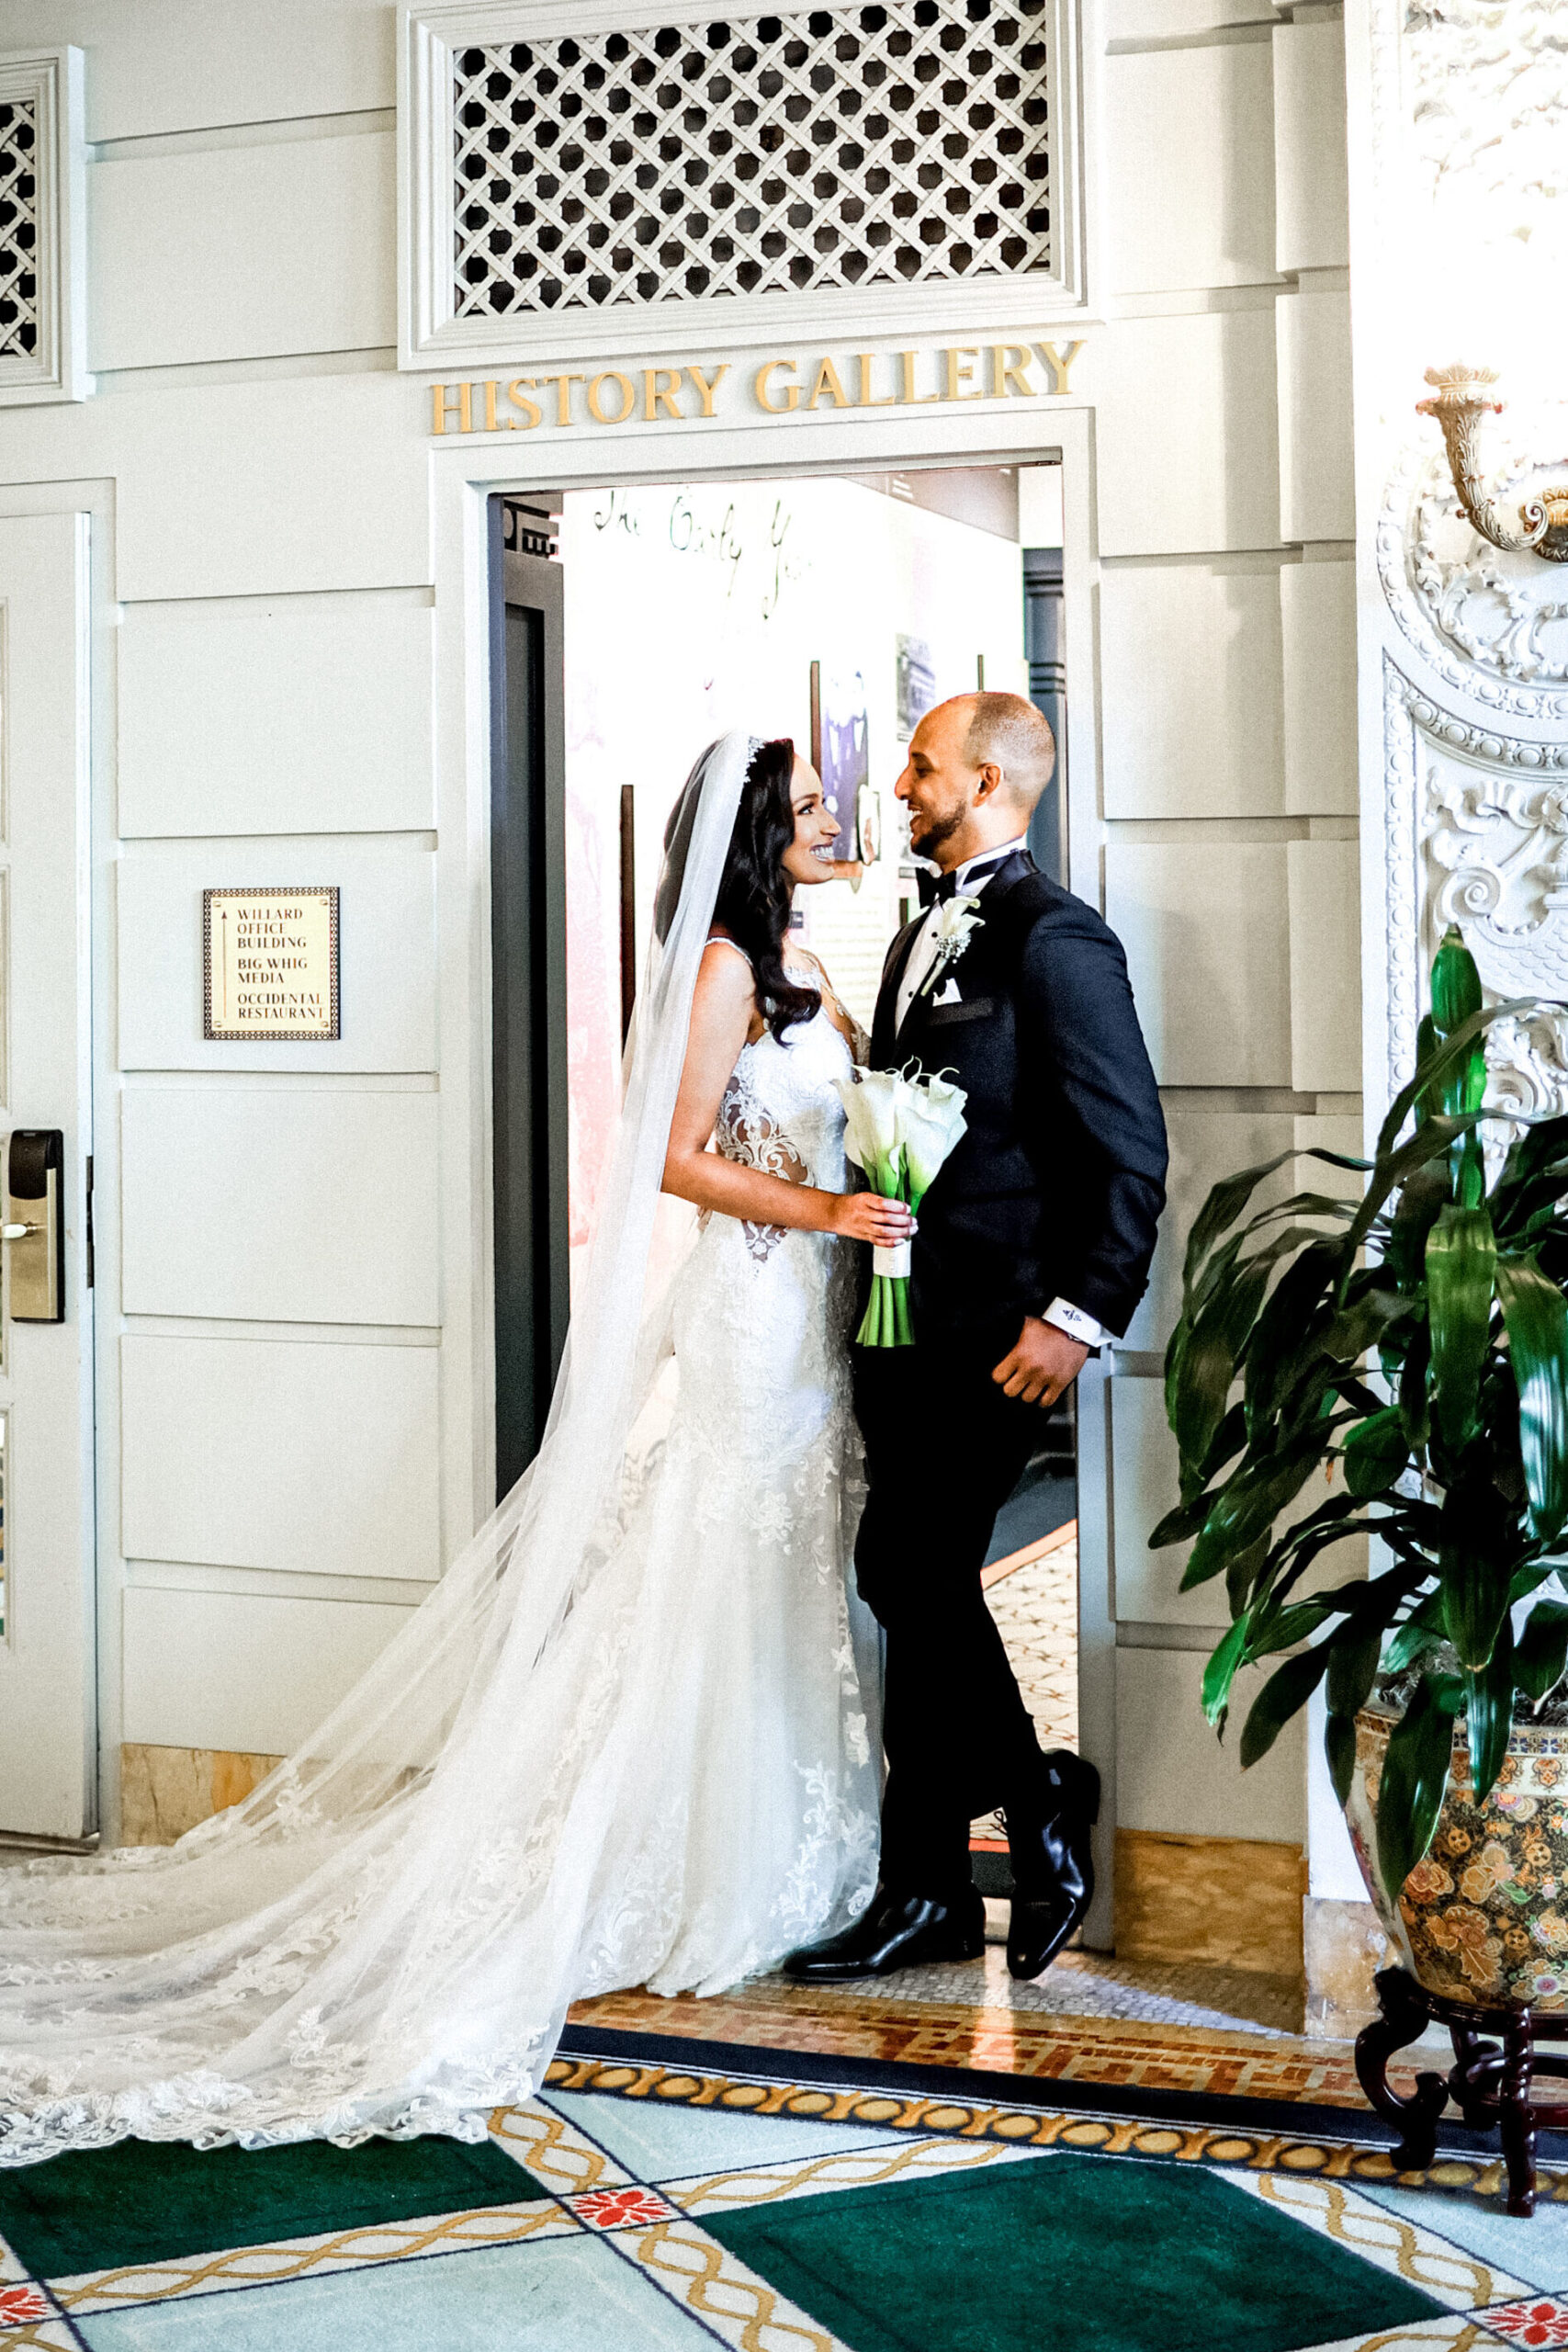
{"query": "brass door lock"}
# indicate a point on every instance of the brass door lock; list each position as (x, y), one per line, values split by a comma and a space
(34, 1230)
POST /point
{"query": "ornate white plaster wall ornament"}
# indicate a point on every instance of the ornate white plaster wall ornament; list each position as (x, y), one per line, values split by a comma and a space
(1487, 93)
(1491, 624)
(1476, 832)
(1464, 233)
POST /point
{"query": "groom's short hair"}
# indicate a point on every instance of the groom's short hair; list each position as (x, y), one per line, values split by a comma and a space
(1012, 734)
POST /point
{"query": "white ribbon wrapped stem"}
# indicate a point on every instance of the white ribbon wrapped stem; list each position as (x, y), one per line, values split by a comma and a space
(891, 1261)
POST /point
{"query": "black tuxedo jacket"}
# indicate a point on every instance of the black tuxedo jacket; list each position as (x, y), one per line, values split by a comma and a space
(1055, 1187)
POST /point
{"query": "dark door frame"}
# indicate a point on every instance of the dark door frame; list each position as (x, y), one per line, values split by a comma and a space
(529, 992)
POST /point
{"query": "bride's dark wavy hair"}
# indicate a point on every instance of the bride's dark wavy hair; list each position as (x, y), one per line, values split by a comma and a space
(754, 893)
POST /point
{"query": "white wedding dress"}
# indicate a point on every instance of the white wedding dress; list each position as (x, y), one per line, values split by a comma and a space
(631, 1737)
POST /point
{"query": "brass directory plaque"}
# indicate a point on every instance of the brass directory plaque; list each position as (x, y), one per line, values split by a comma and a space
(269, 964)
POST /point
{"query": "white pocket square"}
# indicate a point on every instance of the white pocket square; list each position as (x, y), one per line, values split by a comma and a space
(949, 995)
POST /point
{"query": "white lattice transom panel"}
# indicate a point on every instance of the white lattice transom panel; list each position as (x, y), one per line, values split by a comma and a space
(19, 228)
(848, 147)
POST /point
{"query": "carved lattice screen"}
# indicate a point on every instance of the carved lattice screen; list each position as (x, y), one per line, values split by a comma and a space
(18, 228)
(897, 143)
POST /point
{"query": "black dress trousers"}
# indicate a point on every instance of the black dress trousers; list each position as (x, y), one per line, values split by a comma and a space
(944, 1449)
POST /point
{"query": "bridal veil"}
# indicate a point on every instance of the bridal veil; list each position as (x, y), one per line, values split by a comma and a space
(386, 1935)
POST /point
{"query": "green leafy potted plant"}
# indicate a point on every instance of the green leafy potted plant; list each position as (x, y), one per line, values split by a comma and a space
(1453, 1773)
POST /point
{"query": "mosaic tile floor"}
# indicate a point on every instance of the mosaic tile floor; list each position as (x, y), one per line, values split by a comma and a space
(1033, 1596)
(648, 2208)
(1092, 1985)
(1035, 1604)
(771, 2015)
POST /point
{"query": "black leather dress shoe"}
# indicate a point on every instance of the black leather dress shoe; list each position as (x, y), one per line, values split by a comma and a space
(1053, 1867)
(895, 1931)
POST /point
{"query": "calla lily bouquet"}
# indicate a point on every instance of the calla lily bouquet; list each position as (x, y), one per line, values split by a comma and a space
(900, 1127)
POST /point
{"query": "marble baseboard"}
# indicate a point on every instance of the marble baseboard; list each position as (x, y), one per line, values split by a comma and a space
(1221, 1902)
(166, 1790)
(1345, 1947)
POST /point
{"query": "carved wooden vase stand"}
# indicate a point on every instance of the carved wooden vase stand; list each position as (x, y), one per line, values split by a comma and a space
(1489, 2082)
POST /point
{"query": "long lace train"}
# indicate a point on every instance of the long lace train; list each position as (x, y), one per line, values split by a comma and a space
(630, 1736)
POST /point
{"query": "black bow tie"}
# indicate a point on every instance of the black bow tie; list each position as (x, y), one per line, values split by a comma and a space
(936, 889)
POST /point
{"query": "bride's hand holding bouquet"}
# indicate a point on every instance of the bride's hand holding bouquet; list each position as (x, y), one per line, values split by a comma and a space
(900, 1127)
(886, 1223)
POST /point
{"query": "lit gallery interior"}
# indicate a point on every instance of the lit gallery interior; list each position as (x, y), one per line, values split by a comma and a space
(783, 1340)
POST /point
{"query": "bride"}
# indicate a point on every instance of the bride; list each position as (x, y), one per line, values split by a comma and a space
(631, 1737)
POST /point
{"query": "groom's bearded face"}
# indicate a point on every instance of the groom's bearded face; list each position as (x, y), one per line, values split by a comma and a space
(930, 828)
(938, 784)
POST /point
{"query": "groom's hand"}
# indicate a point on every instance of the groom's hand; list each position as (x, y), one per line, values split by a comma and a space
(1043, 1363)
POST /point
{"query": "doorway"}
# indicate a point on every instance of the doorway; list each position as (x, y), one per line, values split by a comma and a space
(831, 608)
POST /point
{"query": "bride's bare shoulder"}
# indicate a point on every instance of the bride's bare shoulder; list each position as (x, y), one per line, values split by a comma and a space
(727, 985)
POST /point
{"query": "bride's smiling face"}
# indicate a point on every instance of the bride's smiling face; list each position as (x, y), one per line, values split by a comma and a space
(809, 857)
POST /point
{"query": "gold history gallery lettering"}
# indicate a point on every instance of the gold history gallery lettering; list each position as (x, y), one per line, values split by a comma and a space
(688, 394)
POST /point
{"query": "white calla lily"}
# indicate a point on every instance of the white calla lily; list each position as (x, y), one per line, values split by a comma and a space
(871, 1099)
(932, 1120)
(899, 1127)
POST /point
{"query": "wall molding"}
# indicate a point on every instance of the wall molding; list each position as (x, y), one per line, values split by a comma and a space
(43, 349)
(433, 334)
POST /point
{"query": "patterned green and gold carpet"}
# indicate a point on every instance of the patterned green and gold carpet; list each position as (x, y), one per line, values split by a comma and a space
(660, 2203)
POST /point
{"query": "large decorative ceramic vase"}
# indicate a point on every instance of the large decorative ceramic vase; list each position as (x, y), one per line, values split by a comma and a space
(1484, 1916)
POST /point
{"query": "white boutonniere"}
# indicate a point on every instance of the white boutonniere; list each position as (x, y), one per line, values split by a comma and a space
(957, 920)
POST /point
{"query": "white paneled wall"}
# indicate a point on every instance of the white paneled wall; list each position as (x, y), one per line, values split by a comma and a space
(180, 66)
(1172, 1775)
(245, 251)
(280, 1204)
(1228, 747)
(1310, 197)
(1147, 1584)
(1187, 430)
(386, 951)
(258, 489)
(310, 1459)
(1189, 659)
(1316, 477)
(1318, 611)
(1199, 208)
(1325, 994)
(1205, 1146)
(243, 1670)
(313, 712)
(1206, 927)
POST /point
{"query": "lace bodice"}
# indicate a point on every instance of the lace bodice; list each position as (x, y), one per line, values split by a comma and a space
(780, 1113)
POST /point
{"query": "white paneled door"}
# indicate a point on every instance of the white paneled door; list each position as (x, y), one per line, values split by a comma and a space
(46, 1720)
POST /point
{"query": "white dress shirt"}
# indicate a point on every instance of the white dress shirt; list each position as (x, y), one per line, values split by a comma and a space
(1061, 1312)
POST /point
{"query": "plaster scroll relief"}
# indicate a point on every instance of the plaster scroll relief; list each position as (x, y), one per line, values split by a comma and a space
(1476, 833)
(1491, 624)
(1487, 90)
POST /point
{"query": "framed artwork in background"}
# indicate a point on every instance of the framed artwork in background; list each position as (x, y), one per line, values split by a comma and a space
(840, 753)
(914, 683)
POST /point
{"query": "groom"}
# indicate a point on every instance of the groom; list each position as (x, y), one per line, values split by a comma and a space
(1034, 1246)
